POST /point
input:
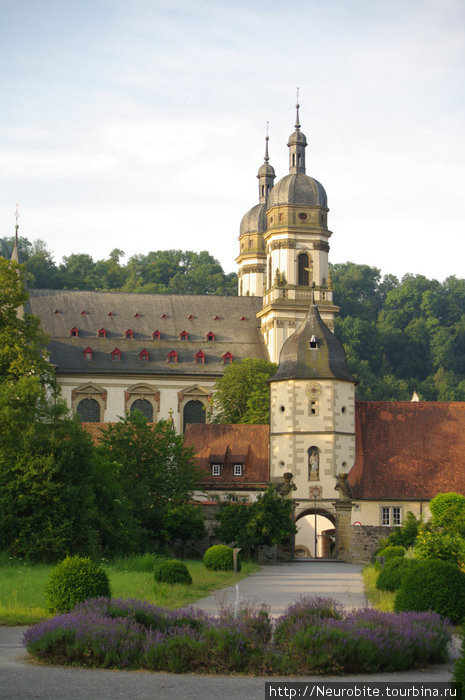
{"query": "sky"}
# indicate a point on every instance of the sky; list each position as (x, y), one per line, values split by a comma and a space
(140, 124)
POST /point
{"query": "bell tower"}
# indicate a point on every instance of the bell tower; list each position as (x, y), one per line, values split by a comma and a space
(296, 237)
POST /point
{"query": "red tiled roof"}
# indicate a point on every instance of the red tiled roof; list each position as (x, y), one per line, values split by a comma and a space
(408, 449)
(231, 444)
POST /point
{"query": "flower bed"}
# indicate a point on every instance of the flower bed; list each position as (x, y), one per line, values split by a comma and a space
(313, 636)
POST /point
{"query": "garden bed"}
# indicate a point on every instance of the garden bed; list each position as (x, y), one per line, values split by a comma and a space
(314, 636)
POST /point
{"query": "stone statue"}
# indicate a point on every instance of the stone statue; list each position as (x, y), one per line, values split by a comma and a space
(286, 487)
(342, 485)
(313, 464)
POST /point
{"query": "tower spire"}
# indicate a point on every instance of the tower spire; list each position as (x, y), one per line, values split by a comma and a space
(266, 174)
(15, 253)
(297, 107)
(297, 144)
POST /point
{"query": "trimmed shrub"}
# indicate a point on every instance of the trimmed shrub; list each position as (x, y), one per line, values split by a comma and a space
(220, 558)
(392, 573)
(172, 571)
(436, 544)
(433, 585)
(392, 551)
(74, 580)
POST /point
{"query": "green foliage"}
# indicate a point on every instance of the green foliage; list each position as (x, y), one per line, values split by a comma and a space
(22, 342)
(183, 521)
(267, 521)
(392, 573)
(156, 473)
(74, 580)
(459, 667)
(404, 535)
(172, 571)
(219, 557)
(242, 394)
(433, 585)
(448, 511)
(438, 544)
(392, 551)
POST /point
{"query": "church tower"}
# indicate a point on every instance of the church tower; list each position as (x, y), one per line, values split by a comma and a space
(252, 255)
(312, 419)
(296, 237)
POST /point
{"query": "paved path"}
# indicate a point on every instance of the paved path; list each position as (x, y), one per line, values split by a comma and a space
(23, 679)
(279, 585)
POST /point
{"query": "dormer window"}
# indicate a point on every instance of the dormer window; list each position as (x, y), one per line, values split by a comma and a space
(216, 318)
(210, 336)
(156, 335)
(184, 335)
(101, 333)
(172, 356)
(110, 313)
(74, 332)
(83, 313)
(137, 315)
(190, 317)
(164, 316)
(243, 318)
(237, 469)
(87, 354)
(313, 342)
(144, 355)
(116, 355)
(199, 358)
(129, 335)
(56, 311)
(216, 469)
(227, 358)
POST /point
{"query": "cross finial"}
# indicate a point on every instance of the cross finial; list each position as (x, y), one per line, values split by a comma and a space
(297, 120)
(17, 224)
(267, 138)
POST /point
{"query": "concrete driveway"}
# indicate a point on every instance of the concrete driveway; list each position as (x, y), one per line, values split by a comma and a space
(278, 585)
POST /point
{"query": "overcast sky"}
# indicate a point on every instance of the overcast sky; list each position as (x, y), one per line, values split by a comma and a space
(140, 124)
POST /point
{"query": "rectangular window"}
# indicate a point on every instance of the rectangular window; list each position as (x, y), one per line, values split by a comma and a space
(313, 408)
(391, 515)
(216, 469)
(237, 470)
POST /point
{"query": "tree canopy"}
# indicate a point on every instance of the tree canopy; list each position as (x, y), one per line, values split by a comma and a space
(242, 394)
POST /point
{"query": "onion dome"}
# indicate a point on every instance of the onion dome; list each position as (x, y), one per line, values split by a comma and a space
(255, 219)
(313, 352)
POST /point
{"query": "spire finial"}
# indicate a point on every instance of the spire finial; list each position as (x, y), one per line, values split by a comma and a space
(297, 119)
(267, 138)
(17, 224)
(313, 294)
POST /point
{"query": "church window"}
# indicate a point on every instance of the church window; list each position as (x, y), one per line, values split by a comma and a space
(227, 358)
(194, 412)
(303, 216)
(282, 409)
(74, 332)
(303, 272)
(390, 515)
(116, 355)
(88, 410)
(293, 159)
(144, 355)
(101, 333)
(210, 336)
(144, 407)
(173, 356)
(216, 469)
(281, 217)
(184, 335)
(156, 335)
(237, 469)
(199, 358)
(299, 159)
(129, 335)
(250, 243)
(88, 354)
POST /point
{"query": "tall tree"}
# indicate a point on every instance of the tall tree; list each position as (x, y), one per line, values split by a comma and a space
(242, 394)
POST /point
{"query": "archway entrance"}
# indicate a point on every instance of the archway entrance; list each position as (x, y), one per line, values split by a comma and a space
(316, 534)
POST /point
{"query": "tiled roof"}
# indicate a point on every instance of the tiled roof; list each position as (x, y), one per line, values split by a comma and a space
(408, 449)
(232, 320)
(229, 445)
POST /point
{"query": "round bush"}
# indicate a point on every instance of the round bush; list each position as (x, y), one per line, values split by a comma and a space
(172, 571)
(74, 580)
(220, 558)
(392, 573)
(395, 550)
(431, 584)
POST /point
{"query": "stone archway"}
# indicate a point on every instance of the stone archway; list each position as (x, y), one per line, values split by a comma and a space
(317, 534)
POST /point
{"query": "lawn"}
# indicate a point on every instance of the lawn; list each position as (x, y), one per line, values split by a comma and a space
(22, 599)
(381, 600)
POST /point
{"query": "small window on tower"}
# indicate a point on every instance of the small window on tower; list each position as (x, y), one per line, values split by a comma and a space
(313, 408)
(313, 342)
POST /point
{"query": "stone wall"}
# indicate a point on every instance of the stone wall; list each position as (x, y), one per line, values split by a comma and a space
(365, 539)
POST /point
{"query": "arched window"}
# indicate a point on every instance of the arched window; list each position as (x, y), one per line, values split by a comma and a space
(193, 413)
(88, 411)
(303, 275)
(270, 275)
(145, 407)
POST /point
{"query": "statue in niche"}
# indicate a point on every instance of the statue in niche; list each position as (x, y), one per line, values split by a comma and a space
(313, 464)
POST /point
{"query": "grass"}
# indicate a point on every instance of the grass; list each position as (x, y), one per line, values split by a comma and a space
(22, 599)
(381, 600)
